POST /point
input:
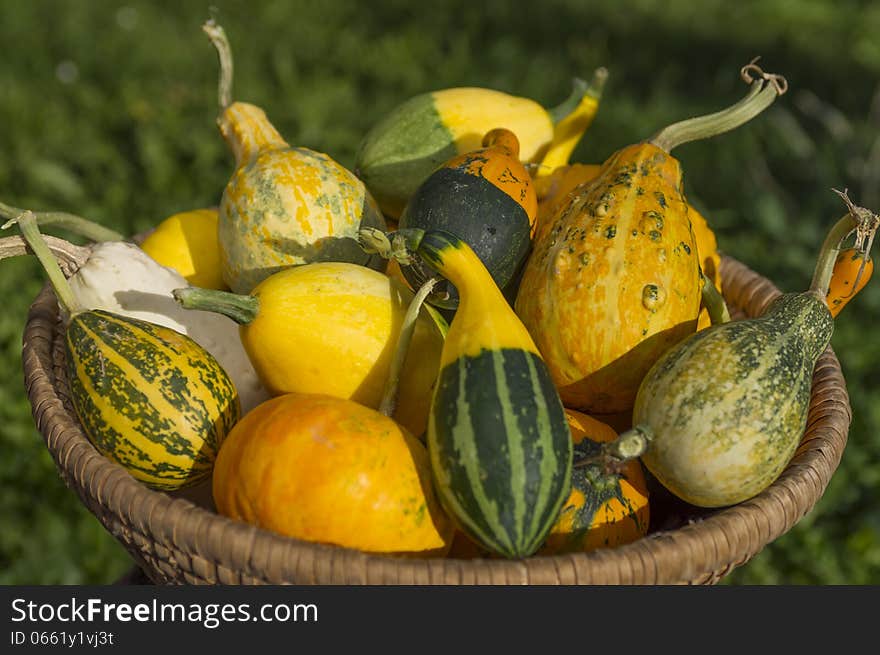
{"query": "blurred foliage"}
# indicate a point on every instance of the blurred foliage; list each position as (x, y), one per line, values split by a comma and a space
(108, 111)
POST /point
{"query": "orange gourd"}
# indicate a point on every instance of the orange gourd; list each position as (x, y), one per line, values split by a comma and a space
(614, 279)
(329, 470)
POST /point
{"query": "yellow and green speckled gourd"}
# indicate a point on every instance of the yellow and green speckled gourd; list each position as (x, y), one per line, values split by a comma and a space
(614, 280)
(283, 205)
(725, 409)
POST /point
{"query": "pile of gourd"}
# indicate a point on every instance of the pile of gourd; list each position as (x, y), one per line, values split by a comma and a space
(425, 356)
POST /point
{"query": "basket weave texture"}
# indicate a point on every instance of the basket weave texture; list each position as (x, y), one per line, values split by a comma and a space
(176, 541)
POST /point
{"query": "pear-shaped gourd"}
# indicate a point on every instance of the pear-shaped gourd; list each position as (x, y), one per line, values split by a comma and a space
(614, 280)
(283, 205)
(725, 409)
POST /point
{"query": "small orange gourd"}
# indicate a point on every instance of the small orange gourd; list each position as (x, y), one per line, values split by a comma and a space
(608, 505)
(852, 270)
(332, 471)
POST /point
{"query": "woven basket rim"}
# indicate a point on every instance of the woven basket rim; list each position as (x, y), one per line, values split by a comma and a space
(176, 541)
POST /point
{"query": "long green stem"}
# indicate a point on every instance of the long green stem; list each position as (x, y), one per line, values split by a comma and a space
(76, 224)
(27, 223)
(224, 51)
(239, 307)
(407, 329)
(858, 219)
(714, 303)
(762, 92)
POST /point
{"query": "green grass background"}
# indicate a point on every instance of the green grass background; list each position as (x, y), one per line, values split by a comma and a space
(107, 110)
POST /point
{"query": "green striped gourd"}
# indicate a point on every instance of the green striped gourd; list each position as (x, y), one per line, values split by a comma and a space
(726, 408)
(283, 205)
(400, 151)
(498, 438)
(148, 397)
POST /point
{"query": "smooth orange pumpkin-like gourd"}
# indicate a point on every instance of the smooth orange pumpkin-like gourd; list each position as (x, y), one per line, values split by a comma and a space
(329, 470)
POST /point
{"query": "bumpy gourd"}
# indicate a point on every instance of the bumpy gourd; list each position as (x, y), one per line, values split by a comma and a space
(484, 197)
(283, 206)
(498, 440)
(614, 280)
(554, 188)
(725, 409)
(419, 135)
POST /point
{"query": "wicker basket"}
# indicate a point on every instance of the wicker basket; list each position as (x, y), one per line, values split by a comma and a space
(177, 541)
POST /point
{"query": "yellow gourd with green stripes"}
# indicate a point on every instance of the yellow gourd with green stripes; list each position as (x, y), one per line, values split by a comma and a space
(148, 397)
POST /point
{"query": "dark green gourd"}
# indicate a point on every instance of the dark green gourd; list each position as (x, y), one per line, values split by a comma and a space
(726, 408)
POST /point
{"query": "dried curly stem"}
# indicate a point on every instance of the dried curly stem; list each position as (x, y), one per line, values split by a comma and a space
(763, 90)
(863, 222)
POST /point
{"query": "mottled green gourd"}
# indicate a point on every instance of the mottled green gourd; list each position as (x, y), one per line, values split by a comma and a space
(498, 439)
(283, 205)
(726, 408)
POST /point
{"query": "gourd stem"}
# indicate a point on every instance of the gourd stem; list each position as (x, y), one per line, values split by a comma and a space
(714, 303)
(69, 254)
(628, 445)
(27, 223)
(858, 219)
(399, 245)
(581, 89)
(239, 307)
(407, 329)
(76, 224)
(762, 92)
(218, 38)
(571, 119)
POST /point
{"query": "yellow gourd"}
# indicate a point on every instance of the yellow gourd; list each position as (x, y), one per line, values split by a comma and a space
(331, 328)
(187, 242)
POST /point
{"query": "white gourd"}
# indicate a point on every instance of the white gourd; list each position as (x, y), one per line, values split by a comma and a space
(120, 277)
